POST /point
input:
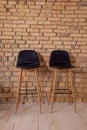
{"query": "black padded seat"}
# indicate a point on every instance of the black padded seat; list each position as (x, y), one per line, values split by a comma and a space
(28, 59)
(60, 59)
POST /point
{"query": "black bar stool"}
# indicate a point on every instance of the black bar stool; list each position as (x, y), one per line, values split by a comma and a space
(28, 59)
(60, 60)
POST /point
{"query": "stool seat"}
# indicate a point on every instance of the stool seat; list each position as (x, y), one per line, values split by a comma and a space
(61, 66)
(27, 66)
(28, 59)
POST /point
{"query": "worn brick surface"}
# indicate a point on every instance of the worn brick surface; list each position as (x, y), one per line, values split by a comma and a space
(43, 26)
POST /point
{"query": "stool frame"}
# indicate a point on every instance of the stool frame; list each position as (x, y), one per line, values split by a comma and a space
(52, 89)
(19, 88)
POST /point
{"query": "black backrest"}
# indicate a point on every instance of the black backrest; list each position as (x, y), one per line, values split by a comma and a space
(27, 58)
(59, 58)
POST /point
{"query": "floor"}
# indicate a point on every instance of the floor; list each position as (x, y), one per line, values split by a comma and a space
(29, 117)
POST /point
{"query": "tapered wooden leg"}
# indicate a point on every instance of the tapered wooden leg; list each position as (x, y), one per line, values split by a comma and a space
(38, 91)
(18, 91)
(67, 84)
(53, 89)
(73, 94)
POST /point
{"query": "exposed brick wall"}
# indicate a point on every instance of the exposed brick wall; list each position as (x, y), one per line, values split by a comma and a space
(43, 26)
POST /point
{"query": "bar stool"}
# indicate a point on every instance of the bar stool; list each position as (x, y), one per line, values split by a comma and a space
(60, 60)
(28, 60)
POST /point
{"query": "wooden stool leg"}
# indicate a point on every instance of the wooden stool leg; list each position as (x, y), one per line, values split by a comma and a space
(53, 89)
(18, 91)
(38, 91)
(73, 94)
(67, 84)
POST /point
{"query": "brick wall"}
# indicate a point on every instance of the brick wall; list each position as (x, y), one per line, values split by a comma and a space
(43, 26)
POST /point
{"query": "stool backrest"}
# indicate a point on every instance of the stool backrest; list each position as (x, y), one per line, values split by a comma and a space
(59, 58)
(28, 59)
